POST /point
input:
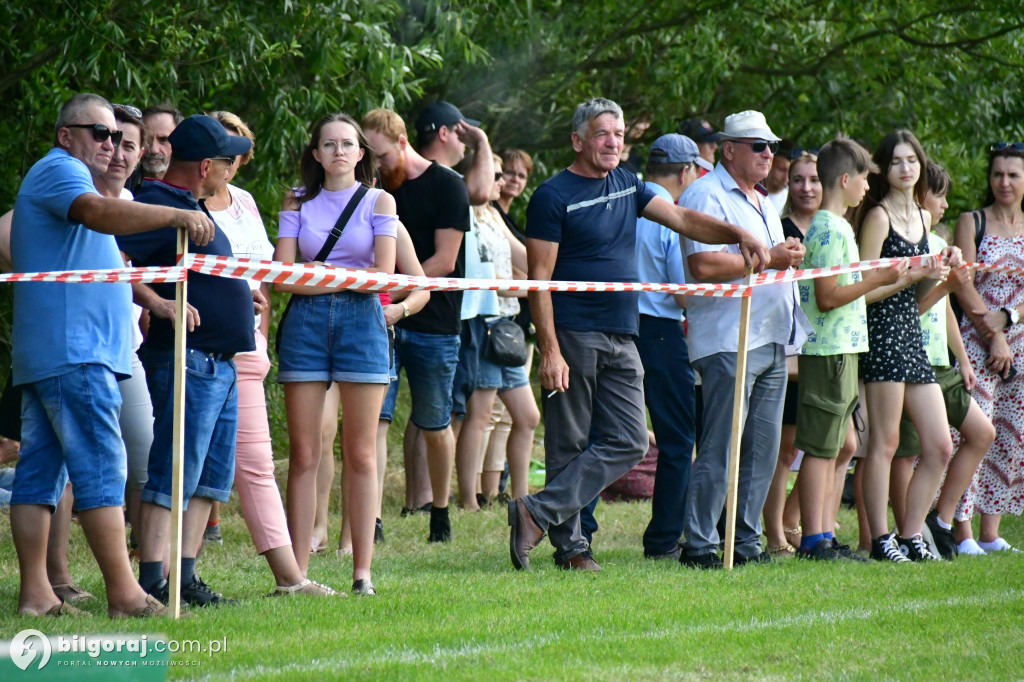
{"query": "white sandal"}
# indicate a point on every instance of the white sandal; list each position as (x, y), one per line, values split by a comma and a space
(306, 587)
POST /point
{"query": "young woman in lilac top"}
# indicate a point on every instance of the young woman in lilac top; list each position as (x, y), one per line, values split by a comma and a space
(335, 336)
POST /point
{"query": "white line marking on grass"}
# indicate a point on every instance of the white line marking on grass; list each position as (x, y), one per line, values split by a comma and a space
(439, 655)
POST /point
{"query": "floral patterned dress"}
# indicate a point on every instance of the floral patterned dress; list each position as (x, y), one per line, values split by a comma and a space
(998, 485)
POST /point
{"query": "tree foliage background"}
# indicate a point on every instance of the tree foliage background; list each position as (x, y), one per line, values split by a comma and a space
(949, 70)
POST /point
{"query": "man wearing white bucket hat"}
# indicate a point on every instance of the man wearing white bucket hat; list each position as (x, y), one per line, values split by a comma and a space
(733, 192)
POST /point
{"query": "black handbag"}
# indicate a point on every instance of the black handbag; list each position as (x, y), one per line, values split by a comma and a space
(325, 251)
(506, 344)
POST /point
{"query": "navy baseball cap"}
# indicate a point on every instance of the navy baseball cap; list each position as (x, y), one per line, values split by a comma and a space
(676, 148)
(200, 137)
(439, 114)
(698, 130)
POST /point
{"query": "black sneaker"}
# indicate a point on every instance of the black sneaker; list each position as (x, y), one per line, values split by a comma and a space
(942, 538)
(198, 593)
(425, 509)
(440, 525)
(915, 549)
(822, 551)
(884, 548)
(845, 552)
(673, 555)
(160, 592)
(707, 562)
(759, 558)
(378, 532)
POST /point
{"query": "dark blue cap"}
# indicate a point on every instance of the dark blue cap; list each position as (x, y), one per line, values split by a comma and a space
(200, 137)
(440, 114)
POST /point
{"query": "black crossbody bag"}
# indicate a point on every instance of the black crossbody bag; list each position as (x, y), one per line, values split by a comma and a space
(325, 251)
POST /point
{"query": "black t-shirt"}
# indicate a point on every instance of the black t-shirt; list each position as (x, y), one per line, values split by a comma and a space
(435, 200)
(789, 229)
(224, 304)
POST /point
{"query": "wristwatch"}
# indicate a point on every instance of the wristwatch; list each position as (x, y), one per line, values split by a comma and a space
(1012, 317)
(406, 312)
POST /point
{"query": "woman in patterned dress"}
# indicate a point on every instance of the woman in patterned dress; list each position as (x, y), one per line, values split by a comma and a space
(895, 370)
(995, 343)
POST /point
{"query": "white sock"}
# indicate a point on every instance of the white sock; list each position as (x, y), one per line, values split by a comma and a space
(943, 524)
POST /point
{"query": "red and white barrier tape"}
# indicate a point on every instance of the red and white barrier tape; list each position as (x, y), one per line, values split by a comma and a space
(148, 275)
(361, 280)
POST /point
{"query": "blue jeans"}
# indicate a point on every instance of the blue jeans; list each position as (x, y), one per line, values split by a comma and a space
(467, 372)
(211, 422)
(759, 448)
(69, 429)
(668, 392)
(429, 361)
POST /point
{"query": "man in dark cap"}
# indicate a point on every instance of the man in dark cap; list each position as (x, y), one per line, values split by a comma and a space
(202, 154)
(707, 139)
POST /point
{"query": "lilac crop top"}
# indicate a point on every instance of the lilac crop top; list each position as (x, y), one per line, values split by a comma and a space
(315, 218)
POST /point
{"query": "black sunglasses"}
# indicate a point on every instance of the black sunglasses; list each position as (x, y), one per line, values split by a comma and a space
(498, 175)
(1003, 146)
(799, 152)
(100, 132)
(759, 146)
(134, 112)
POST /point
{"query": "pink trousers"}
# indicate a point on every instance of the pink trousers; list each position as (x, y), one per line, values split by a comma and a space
(254, 458)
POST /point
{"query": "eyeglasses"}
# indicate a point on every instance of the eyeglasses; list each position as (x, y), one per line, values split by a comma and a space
(498, 176)
(134, 112)
(1003, 146)
(347, 146)
(520, 175)
(759, 146)
(226, 159)
(800, 152)
(100, 132)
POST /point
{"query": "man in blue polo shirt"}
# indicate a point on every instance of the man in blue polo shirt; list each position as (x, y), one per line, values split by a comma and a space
(71, 344)
(672, 164)
(581, 225)
(202, 153)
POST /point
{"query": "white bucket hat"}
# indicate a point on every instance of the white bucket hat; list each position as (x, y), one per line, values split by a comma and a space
(748, 124)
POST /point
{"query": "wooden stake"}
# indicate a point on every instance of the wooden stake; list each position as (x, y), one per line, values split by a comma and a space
(178, 434)
(738, 411)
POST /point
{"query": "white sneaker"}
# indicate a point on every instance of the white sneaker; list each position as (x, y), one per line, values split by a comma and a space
(969, 546)
(998, 545)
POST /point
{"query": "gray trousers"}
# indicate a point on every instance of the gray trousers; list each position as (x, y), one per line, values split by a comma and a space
(593, 433)
(759, 448)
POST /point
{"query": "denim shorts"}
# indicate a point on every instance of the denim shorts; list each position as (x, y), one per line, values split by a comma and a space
(467, 373)
(69, 429)
(429, 361)
(387, 410)
(211, 421)
(334, 337)
(502, 378)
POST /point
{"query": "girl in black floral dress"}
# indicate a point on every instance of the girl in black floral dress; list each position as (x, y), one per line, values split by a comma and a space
(896, 371)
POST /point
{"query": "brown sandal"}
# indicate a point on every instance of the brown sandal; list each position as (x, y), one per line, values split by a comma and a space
(152, 609)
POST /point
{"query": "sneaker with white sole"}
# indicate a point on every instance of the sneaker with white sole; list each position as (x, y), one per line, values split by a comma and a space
(940, 540)
(970, 547)
(884, 548)
(915, 548)
(998, 545)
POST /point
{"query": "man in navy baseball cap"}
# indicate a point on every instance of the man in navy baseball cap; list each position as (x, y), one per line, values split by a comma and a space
(201, 137)
(675, 148)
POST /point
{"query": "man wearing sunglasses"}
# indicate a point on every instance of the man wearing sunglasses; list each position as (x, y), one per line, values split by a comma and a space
(733, 193)
(202, 153)
(70, 345)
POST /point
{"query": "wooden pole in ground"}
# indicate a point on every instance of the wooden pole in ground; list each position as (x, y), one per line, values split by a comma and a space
(178, 433)
(739, 399)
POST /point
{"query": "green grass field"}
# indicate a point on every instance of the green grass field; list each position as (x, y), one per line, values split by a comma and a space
(460, 612)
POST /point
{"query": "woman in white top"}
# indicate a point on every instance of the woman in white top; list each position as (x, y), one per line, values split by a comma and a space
(510, 384)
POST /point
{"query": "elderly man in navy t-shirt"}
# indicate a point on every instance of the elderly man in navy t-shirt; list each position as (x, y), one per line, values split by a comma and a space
(581, 225)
